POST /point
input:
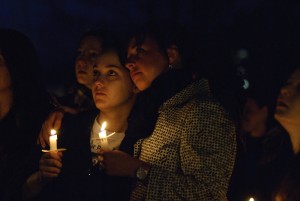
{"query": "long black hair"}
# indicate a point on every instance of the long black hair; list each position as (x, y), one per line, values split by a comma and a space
(20, 57)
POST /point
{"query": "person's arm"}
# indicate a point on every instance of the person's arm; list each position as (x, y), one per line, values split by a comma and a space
(49, 168)
(33, 186)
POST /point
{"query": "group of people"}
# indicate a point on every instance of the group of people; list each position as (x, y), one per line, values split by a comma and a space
(267, 154)
(170, 134)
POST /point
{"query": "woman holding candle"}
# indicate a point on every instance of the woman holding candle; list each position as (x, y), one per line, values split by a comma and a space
(24, 103)
(191, 152)
(74, 176)
(80, 99)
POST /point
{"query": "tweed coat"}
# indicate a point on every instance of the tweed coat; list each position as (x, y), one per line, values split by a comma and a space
(191, 150)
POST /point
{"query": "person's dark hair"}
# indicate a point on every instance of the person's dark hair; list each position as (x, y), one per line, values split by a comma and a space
(264, 97)
(179, 35)
(23, 65)
(109, 41)
(166, 34)
(149, 30)
(225, 82)
(261, 97)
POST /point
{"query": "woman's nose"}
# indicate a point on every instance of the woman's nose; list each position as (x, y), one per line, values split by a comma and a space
(130, 64)
(285, 91)
(81, 62)
(99, 79)
(99, 82)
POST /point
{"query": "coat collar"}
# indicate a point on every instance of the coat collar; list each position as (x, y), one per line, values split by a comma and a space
(196, 89)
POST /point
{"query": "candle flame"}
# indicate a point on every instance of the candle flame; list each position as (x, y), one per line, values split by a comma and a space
(251, 199)
(102, 133)
(103, 126)
(53, 132)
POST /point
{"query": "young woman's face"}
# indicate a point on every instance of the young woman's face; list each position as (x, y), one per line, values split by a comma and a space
(288, 102)
(145, 62)
(5, 79)
(112, 86)
(89, 49)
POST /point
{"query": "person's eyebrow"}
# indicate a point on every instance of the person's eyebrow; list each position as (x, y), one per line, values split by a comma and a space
(113, 66)
(137, 45)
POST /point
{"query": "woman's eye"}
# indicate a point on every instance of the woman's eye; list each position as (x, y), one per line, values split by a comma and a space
(140, 50)
(111, 73)
(93, 55)
(95, 74)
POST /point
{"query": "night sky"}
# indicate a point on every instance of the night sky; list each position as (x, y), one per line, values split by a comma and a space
(55, 26)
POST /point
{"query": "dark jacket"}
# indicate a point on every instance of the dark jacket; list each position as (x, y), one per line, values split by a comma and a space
(18, 134)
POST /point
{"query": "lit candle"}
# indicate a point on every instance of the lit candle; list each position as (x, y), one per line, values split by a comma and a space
(251, 199)
(53, 140)
(103, 137)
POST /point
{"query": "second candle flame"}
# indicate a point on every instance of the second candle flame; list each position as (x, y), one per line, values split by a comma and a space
(102, 133)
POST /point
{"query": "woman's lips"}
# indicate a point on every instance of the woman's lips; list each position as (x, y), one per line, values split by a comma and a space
(281, 103)
(100, 94)
(134, 74)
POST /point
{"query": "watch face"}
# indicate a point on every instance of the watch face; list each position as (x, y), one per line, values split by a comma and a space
(141, 173)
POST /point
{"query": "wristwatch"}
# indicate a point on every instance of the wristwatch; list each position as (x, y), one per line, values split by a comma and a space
(141, 173)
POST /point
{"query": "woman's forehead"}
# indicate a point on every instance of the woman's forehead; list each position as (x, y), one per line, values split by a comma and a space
(92, 41)
(108, 57)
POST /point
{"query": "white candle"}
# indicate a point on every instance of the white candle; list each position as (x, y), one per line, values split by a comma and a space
(103, 137)
(53, 140)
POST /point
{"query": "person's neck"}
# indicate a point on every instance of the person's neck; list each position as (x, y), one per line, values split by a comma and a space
(6, 100)
(116, 119)
(293, 130)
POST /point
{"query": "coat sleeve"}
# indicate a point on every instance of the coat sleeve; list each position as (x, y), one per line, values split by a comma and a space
(207, 154)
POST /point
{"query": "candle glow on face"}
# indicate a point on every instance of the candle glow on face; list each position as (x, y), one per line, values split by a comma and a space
(53, 140)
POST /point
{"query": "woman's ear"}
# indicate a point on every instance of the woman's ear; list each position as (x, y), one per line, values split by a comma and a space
(173, 54)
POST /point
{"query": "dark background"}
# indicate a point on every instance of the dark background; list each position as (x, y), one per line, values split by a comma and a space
(266, 29)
